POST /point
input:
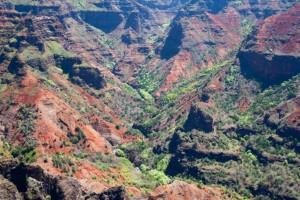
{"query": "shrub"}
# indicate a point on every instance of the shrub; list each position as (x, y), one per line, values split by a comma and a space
(144, 168)
(63, 161)
(118, 126)
(163, 164)
(159, 176)
(74, 139)
(120, 153)
(26, 116)
(31, 156)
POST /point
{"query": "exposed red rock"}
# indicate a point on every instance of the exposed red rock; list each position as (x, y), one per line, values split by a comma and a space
(72, 90)
(272, 53)
(285, 117)
(181, 190)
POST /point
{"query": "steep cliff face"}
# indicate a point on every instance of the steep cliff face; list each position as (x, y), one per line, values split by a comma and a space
(43, 123)
(105, 21)
(88, 75)
(187, 150)
(199, 120)
(30, 182)
(210, 32)
(110, 99)
(271, 53)
(8, 190)
(285, 118)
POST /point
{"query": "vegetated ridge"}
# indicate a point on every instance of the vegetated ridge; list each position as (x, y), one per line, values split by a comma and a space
(140, 99)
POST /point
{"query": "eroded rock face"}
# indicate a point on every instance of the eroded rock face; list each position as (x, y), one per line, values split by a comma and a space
(34, 189)
(188, 147)
(19, 181)
(128, 45)
(70, 188)
(66, 63)
(8, 190)
(9, 22)
(272, 52)
(285, 118)
(114, 193)
(263, 9)
(179, 190)
(173, 42)
(199, 120)
(17, 65)
(88, 75)
(105, 21)
(37, 9)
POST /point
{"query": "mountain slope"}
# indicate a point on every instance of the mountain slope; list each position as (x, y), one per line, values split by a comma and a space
(121, 99)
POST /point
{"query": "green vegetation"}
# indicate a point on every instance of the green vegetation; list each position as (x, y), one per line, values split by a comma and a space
(247, 27)
(3, 87)
(134, 177)
(273, 96)
(26, 126)
(31, 52)
(26, 117)
(254, 146)
(126, 88)
(80, 5)
(110, 65)
(146, 95)
(77, 4)
(196, 82)
(153, 165)
(133, 132)
(56, 49)
(243, 152)
(64, 162)
(163, 163)
(159, 176)
(5, 148)
(103, 162)
(231, 77)
(145, 180)
(145, 81)
(26, 154)
(78, 137)
(120, 153)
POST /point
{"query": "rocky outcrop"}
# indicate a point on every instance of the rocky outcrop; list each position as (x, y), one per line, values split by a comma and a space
(199, 120)
(66, 63)
(9, 23)
(272, 52)
(152, 46)
(114, 193)
(210, 5)
(105, 21)
(17, 65)
(45, 10)
(214, 6)
(8, 190)
(27, 178)
(264, 9)
(80, 74)
(285, 118)
(34, 189)
(70, 188)
(173, 42)
(90, 76)
(186, 149)
(31, 182)
(181, 190)
(133, 21)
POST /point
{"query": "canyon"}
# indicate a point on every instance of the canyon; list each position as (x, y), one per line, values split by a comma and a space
(149, 99)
